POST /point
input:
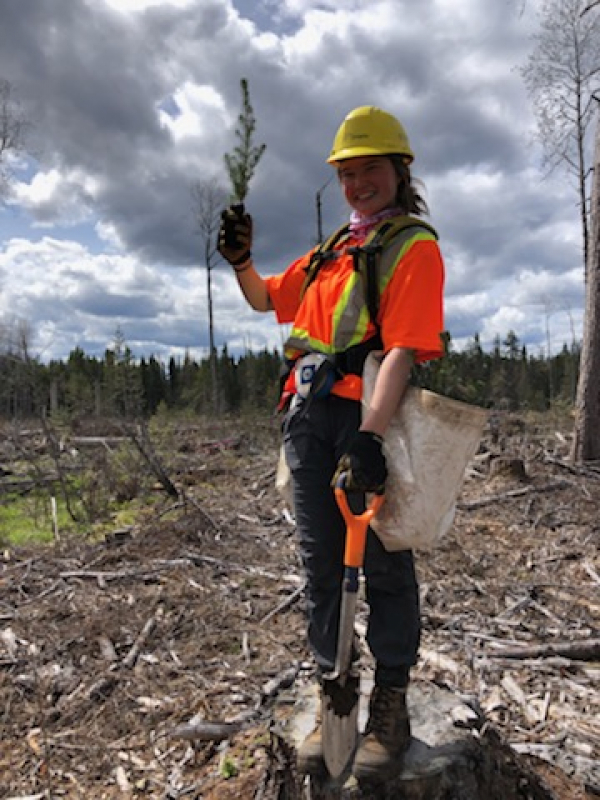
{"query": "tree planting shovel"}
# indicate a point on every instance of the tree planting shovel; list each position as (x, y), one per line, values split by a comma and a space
(341, 688)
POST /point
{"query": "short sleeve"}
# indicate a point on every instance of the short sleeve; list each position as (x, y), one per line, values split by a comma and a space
(411, 306)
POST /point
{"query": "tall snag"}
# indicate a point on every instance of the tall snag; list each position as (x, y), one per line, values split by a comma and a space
(563, 78)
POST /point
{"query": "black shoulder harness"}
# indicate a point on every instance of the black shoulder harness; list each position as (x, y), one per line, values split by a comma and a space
(365, 256)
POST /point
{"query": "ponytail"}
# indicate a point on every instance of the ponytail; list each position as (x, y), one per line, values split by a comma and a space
(407, 196)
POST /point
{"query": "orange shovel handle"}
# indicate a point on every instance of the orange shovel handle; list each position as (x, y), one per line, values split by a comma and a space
(356, 527)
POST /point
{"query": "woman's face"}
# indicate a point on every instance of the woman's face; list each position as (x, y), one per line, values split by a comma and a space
(369, 183)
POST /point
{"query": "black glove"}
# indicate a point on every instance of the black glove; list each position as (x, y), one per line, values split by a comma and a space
(363, 464)
(235, 235)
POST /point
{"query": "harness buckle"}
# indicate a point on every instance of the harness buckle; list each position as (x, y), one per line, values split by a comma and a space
(314, 375)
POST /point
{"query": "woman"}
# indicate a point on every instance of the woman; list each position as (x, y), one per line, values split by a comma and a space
(334, 327)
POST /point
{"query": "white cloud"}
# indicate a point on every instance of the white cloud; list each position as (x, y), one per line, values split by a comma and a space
(129, 6)
(506, 319)
(108, 233)
(304, 7)
(130, 109)
(53, 197)
(197, 110)
(476, 304)
(74, 298)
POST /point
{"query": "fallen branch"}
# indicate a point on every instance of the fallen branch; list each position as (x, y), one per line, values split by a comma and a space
(514, 691)
(284, 680)
(141, 439)
(95, 441)
(197, 559)
(588, 470)
(588, 650)
(102, 576)
(572, 596)
(591, 572)
(198, 729)
(133, 654)
(285, 604)
(205, 516)
(498, 498)
(187, 559)
(201, 730)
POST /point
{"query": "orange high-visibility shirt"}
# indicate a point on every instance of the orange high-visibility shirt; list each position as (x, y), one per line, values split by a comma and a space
(410, 307)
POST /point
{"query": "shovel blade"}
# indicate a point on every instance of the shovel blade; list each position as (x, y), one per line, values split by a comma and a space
(340, 706)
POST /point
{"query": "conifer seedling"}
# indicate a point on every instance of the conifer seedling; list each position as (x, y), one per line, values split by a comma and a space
(242, 162)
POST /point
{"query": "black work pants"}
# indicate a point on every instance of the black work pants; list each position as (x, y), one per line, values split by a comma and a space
(316, 434)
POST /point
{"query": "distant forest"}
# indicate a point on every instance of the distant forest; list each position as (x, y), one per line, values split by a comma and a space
(507, 377)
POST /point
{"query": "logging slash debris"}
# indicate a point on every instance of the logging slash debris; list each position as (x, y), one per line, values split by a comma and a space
(166, 660)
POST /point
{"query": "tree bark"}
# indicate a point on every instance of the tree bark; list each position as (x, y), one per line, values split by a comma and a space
(214, 379)
(586, 441)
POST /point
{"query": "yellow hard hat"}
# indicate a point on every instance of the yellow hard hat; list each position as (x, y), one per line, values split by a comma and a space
(370, 131)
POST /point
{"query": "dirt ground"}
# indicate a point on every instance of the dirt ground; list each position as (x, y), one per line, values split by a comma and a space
(108, 648)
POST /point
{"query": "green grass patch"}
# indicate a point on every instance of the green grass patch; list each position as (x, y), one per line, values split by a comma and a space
(28, 520)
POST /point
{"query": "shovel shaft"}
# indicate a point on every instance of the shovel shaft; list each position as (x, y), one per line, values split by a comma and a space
(343, 657)
(340, 709)
(356, 537)
(340, 714)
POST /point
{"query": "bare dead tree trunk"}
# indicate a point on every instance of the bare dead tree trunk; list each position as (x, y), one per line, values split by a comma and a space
(208, 198)
(562, 78)
(586, 442)
(211, 330)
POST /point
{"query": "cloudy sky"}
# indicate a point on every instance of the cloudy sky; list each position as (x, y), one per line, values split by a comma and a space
(133, 102)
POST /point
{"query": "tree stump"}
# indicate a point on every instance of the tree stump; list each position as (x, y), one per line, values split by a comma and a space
(454, 755)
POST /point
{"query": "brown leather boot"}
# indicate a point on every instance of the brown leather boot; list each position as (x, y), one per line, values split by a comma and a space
(387, 734)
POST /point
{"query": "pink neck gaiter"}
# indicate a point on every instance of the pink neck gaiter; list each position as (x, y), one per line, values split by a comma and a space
(361, 226)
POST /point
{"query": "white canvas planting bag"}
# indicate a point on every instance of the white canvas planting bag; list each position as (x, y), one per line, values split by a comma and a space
(428, 445)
